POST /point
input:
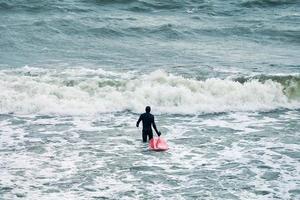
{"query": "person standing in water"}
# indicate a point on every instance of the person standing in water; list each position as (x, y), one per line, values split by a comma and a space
(148, 121)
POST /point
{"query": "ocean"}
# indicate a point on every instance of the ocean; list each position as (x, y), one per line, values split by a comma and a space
(222, 79)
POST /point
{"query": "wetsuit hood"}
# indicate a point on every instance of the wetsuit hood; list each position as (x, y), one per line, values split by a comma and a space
(148, 109)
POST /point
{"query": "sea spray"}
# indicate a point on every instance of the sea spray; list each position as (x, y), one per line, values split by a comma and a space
(88, 91)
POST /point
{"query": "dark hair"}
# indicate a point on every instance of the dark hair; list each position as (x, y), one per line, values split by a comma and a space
(147, 109)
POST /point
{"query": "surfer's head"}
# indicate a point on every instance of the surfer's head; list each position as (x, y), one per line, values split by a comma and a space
(147, 109)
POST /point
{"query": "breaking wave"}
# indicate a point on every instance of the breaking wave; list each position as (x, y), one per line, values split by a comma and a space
(88, 91)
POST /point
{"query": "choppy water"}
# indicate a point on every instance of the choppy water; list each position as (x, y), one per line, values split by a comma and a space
(223, 80)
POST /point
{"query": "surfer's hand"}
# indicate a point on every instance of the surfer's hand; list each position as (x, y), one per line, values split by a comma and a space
(137, 125)
(159, 133)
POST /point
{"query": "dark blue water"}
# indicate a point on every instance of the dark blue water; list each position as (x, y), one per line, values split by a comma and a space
(222, 77)
(255, 35)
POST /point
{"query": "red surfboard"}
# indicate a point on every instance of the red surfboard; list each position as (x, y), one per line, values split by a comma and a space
(158, 144)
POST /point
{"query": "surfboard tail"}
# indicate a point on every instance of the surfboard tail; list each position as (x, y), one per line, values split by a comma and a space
(158, 144)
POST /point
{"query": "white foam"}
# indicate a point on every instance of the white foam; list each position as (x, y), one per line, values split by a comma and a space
(31, 90)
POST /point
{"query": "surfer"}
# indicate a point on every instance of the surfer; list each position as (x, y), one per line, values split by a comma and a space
(148, 120)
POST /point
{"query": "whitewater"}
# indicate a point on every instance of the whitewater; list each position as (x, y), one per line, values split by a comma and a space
(70, 133)
(88, 92)
(222, 79)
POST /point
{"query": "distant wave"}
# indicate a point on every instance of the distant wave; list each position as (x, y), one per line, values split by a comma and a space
(172, 31)
(40, 6)
(87, 91)
(82, 6)
(163, 5)
(252, 32)
(90, 25)
(147, 5)
(26, 6)
(4, 6)
(168, 31)
(160, 31)
(267, 3)
(283, 35)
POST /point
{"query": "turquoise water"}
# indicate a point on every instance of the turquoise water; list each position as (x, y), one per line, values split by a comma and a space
(223, 80)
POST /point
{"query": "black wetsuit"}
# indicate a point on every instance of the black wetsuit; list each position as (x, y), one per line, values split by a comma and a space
(148, 120)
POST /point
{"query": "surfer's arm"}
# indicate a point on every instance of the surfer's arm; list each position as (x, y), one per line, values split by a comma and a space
(154, 126)
(138, 121)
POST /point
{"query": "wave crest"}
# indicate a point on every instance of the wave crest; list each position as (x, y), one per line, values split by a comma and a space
(86, 91)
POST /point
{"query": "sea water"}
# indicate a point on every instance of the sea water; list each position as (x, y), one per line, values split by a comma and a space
(222, 78)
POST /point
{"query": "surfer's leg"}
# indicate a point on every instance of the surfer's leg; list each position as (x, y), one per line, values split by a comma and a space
(144, 136)
(150, 134)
